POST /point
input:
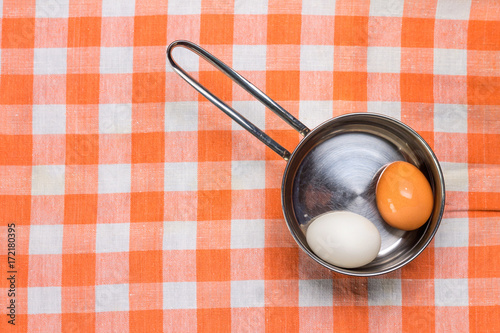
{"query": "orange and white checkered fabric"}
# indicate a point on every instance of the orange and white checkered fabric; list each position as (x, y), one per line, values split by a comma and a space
(140, 207)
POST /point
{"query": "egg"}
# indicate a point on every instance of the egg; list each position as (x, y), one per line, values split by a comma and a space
(404, 196)
(344, 239)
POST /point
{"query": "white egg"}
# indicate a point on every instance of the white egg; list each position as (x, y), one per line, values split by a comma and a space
(344, 239)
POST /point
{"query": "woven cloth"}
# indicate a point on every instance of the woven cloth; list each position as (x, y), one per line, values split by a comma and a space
(134, 205)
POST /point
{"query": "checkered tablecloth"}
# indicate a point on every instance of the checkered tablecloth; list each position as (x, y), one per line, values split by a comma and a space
(138, 206)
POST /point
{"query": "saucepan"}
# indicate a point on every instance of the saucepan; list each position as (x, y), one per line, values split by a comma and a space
(333, 167)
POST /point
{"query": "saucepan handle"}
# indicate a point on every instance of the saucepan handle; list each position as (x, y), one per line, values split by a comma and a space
(245, 84)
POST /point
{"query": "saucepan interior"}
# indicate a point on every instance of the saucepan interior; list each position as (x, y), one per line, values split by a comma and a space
(336, 166)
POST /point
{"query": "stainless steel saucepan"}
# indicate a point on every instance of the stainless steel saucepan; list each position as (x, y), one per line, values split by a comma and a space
(335, 167)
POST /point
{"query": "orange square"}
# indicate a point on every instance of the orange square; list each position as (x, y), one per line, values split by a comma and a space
(283, 85)
(82, 149)
(213, 295)
(216, 29)
(481, 259)
(82, 119)
(115, 88)
(484, 318)
(245, 32)
(49, 89)
(80, 208)
(112, 268)
(79, 238)
(213, 234)
(17, 61)
(148, 87)
(145, 296)
(417, 32)
(18, 33)
(483, 90)
(213, 265)
(150, 30)
(148, 147)
(214, 146)
(147, 177)
(78, 299)
(282, 319)
(273, 204)
(214, 320)
(247, 204)
(281, 263)
(84, 31)
(146, 321)
(146, 236)
(72, 322)
(146, 206)
(22, 265)
(214, 205)
(115, 148)
(418, 318)
(16, 89)
(51, 32)
(15, 209)
(179, 266)
(82, 60)
(82, 89)
(483, 148)
(421, 267)
(117, 31)
(181, 206)
(78, 269)
(350, 319)
(283, 28)
(351, 30)
(483, 35)
(21, 155)
(145, 266)
(247, 264)
(218, 84)
(417, 88)
(350, 86)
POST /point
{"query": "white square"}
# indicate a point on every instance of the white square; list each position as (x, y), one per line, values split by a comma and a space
(315, 292)
(384, 59)
(114, 178)
(248, 293)
(116, 60)
(49, 119)
(52, 8)
(451, 118)
(391, 109)
(254, 111)
(250, 7)
(46, 239)
(450, 62)
(315, 7)
(453, 9)
(384, 292)
(451, 292)
(179, 235)
(118, 8)
(248, 175)
(48, 179)
(313, 113)
(49, 61)
(249, 57)
(316, 58)
(112, 237)
(1, 8)
(44, 300)
(392, 8)
(453, 232)
(115, 118)
(111, 297)
(186, 59)
(181, 176)
(181, 116)
(184, 7)
(456, 176)
(179, 295)
(247, 234)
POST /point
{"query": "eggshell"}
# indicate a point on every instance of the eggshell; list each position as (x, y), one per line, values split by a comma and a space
(404, 196)
(344, 239)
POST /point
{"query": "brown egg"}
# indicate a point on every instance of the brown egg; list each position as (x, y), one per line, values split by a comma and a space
(404, 196)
